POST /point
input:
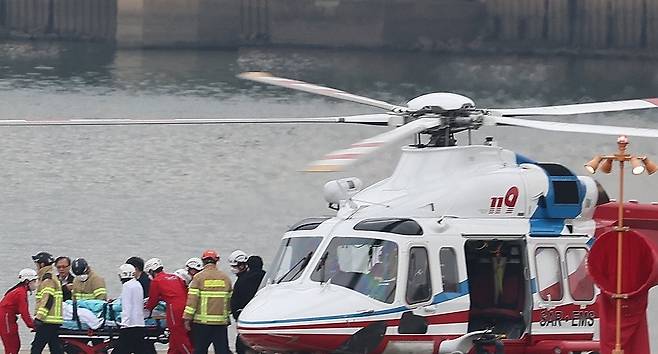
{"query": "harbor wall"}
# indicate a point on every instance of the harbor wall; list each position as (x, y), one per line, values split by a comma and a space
(388, 24)
(193, 23)
(513, 25)
(66, 19)
(595, 24)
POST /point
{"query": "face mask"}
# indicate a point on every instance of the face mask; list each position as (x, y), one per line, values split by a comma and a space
(83, 277)
(235, 270)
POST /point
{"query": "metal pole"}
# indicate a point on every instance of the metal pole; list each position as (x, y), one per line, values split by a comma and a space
(621, 157)
(620, 237)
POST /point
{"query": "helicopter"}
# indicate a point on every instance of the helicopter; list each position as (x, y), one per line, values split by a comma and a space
(461, 249)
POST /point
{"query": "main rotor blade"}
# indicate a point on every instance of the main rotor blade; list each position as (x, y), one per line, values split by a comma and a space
(368, 119)
(575, 127)
(268, 78)
(340, 159)
(596, 107)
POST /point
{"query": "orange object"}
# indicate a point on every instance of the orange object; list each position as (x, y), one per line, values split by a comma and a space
(212, 254)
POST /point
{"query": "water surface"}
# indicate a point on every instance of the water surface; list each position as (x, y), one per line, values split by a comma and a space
(107, 193)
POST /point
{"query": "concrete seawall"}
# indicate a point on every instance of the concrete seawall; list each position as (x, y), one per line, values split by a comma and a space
(596, 24)
(66, 19)
(390, 24)
(194, 23)
(589, 25)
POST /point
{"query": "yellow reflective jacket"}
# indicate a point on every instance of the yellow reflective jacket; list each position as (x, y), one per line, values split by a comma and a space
(91, 289)
(208, 297)
(49, 297)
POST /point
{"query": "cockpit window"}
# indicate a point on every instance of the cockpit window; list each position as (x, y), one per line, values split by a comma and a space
(366, 265)
(292, 258)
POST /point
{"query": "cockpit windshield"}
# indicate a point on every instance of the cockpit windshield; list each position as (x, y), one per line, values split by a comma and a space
(292, 258)
(366, 265)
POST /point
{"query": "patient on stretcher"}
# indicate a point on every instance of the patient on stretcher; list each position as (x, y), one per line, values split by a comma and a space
(96, 314)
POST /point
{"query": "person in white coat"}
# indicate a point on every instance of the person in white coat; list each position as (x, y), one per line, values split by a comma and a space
(132, 331)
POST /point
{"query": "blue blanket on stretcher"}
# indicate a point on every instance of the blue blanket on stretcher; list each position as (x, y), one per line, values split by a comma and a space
(108, 314)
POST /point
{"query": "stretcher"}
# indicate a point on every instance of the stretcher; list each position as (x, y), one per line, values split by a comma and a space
(100, 341)
(92, 327)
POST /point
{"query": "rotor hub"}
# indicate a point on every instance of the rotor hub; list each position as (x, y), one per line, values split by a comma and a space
(440, 102)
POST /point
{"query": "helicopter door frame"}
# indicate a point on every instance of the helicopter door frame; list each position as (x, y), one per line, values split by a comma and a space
(524, 290)
(414, 321)
(430, 275)
(566, 270)
(563, 244)
(558, 316)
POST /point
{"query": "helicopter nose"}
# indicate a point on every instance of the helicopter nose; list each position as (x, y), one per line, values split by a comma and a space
(284, 319)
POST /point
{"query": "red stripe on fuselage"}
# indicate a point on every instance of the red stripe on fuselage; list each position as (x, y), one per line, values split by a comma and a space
(329, 342)
(287, 342)
(447, 318)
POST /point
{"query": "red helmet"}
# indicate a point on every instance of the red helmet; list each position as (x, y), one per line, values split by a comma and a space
(210, 254)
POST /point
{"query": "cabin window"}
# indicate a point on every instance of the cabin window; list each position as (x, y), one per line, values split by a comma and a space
(581, 286)
(419, 285)
(292, 258)
(549, 274)
(366, 265)
(449, 275)
(393, 225)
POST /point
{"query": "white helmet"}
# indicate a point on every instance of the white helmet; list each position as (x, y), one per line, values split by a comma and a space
(238, 256)
(152, 264)
(183, 274)
(194, 263)
(126, 271)
(27, 274)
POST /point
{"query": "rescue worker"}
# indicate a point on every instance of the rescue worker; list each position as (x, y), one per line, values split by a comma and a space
(250, 274)
(63, 266)
(145, 281)
(49, 306)
(206, 313)
(132, 331)
(193, 266)
(254, 276)
(142, 277)
(184, 275)
(87, 285)
(14, 303)
(238, 263)
(172, 290)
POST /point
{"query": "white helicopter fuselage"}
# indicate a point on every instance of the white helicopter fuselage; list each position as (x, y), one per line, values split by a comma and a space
(458, 241)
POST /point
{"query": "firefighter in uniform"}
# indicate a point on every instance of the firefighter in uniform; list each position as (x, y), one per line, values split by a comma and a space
(207, 309)
(87, 284)
(49, 306)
